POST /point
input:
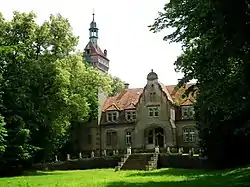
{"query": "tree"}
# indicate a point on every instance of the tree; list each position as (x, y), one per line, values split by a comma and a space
(117, 85)
(215, 53)
(45, 86)
(3, 134)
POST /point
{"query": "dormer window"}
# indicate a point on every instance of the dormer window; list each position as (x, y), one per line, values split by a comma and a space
(130, 115)
(112, 116)
(187, 112)
(153, 111)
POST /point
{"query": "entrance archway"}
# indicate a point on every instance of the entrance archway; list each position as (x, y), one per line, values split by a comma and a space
(155, 137)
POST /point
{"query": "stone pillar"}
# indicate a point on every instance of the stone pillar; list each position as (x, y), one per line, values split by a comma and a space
(157, 149)
(180, 151)
(117, 152)
(129, 150)
(92, 154)
(104, 153)
(191, 153)
(168, 150)
(56, 159)
(80, 155)
(68, 157)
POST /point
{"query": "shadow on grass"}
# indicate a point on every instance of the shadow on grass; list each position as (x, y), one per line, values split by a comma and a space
(172, 172)
(40, 173)
(236, 178)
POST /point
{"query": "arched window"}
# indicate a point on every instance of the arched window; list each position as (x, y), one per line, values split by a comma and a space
(151, 137)
(111, 138)
(189, 135)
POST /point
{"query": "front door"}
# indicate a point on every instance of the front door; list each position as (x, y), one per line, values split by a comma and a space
(159, 137)
(159, 140)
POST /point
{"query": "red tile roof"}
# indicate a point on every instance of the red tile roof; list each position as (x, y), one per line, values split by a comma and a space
(128, 98)
(95, 49)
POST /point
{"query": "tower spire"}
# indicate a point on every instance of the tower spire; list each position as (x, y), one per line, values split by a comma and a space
(93, 31)
(93, 14)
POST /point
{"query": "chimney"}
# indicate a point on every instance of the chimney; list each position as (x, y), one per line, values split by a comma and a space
(126, 85)
(105, 52)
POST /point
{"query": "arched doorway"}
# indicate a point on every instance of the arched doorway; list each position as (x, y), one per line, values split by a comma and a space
(159, 137)
(154, 137)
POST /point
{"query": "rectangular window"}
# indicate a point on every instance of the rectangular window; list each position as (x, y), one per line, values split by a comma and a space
(130, 115)
(112, 116)
(128, 138)
(153, 111)
(111, 138)
(187, 112)
(189, 135)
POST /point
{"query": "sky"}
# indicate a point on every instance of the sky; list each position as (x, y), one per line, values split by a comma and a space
(132, 49)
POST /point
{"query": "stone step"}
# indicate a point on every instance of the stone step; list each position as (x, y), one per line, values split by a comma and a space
(138, 162)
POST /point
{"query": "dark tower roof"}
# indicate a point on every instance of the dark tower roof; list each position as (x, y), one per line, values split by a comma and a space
(152, 76)
(93, 23)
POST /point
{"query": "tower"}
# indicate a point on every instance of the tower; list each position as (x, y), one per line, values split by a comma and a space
(93, 53)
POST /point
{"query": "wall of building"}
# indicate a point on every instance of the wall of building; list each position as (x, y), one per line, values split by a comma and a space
(121, 130)
(143, 119)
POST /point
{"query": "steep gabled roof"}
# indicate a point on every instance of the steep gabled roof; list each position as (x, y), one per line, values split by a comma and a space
(129, 98)
(124, 100)
(95, 50)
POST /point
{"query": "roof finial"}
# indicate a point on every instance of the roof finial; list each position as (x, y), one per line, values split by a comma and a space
(152, 70)
(93, 14)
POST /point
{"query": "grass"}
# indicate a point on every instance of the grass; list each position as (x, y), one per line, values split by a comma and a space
(109, 178)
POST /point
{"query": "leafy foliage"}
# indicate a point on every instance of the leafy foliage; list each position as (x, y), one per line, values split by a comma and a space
(3, 134)
(117, 85)
(216, 54)
(45, 87)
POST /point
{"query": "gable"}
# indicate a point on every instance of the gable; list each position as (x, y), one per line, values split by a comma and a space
(129, 98)
(95, 50)
(124, 100)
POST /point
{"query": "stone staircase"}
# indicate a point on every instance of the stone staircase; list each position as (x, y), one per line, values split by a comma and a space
(140, 161)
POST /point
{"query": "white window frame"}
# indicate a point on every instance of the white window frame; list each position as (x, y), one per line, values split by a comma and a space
(130, 115)
(128, 138)
(152, 111)
(112, 116)
(187, 112)
(189, 135)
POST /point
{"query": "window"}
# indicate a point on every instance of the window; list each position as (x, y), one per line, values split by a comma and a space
(130, 115)
(150, 137)
(187, 112)
(89, 138)
(88, 51)
(152, 96)
(153, 111)
(128, 138)
(189, 135)
(111, 138)
(112, 116)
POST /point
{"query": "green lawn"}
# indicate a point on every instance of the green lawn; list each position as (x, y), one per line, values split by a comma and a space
(109, 178)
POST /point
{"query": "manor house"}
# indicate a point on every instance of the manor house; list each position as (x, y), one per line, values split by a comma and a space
(156, 115)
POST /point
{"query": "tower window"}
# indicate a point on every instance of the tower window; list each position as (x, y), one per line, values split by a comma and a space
(152, 96)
